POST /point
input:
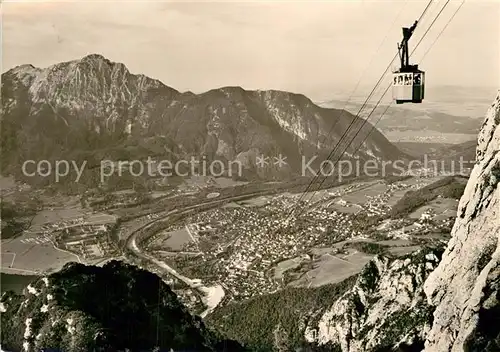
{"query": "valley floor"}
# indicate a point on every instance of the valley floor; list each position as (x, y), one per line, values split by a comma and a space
(224, 249)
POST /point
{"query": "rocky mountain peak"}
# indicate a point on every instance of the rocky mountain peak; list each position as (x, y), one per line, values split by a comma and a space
(465, 287)
(95, 57)
(77, 80)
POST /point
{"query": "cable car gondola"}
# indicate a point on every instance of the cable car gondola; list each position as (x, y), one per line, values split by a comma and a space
(408, 81)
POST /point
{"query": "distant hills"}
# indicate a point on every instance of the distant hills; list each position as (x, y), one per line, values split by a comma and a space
(417, 123)
(438, 151)
(448, 115)
(464, 101)
(95, 109)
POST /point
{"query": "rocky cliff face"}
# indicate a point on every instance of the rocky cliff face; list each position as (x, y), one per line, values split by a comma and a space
(114, 308)
(465, 287)
(455, 307)
(385, 310)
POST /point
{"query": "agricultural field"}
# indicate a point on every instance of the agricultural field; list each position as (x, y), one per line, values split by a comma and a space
(285, 265)
(35, 250)
(361, 195)
(443, 208)
(255, 202)
(429, 137)
(232, 205)
(199, 182)
(334, 264)
(22, 256)
(329, 269)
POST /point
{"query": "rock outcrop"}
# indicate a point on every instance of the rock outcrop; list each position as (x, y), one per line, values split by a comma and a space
(114, 308)
(386, 308)
(465, 287)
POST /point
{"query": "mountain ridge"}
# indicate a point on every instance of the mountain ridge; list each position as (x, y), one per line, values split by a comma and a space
(93, 103)
(117, 307)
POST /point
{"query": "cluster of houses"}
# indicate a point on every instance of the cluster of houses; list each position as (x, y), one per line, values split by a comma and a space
(243, 244)
(249, 242)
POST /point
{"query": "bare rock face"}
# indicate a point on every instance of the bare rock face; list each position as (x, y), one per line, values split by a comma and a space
(465, 287)
(385, 310)
(117, 307)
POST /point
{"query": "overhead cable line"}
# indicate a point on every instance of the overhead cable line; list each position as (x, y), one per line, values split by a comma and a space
(314, 179)
(355, 119)
(385, 92)
(361, 76)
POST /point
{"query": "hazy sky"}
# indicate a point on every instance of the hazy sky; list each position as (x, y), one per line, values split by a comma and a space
(311, 47)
